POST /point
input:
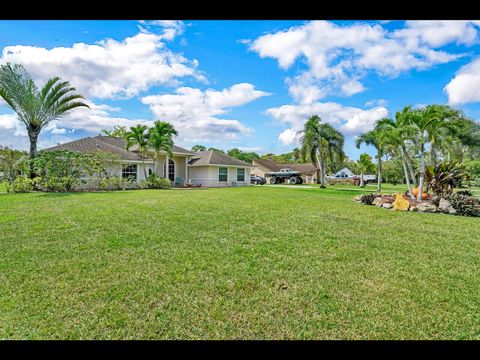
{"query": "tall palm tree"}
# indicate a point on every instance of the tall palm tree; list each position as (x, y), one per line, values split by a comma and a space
(428, 122)
(138, 136)
(36, 108)
(406, 134)
(321, 141)
(376, 138)
(160, 138)
(395, 136)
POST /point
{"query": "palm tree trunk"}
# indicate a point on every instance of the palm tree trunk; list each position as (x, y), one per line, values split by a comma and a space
(33, 136)
(422, 171)
(379, 172)
(322, 172)
(362, 183)
(405, 172)
(408, 160)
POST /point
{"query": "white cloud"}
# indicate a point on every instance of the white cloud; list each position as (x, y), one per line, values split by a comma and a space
(376, 102)
(289, 136)
(337, 56)
(195, 113)
(108, 68)
(465, 86)
(172, 28)
(349, 120)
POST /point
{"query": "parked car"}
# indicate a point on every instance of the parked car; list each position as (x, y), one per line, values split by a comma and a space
(257, 180)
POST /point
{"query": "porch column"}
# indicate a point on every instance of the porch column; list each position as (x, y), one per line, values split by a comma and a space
(186, 170)
(166, 167)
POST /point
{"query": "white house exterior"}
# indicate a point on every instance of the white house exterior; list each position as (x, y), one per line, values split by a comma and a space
(206, 169)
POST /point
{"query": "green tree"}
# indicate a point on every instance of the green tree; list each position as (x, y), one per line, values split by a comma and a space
(118, 131)
(366, 165)
(429, 124)
(376, 138)
(36, 108)
(198, 148)
(320, 142)
(138, 136)
(160, 138)
(10, 163)
(243, 155)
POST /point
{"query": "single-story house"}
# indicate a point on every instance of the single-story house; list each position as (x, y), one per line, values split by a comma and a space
(309, 171)
(207, 169)
(344, 173)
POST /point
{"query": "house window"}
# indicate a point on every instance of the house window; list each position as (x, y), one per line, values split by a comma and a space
(171, 169)
(222, 174)
(150, 171)
(240, 174)
(129, 171)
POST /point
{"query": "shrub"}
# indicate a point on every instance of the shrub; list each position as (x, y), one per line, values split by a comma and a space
(465, 205)
(23, 184)
(117, 183)
(7, 185)
(156, 182)
(367, 199)
(465, 192)
(444, 177)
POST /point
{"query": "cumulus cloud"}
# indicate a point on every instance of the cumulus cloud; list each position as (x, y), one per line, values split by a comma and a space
(465, 86)
(195, 113)
(350, 120)
(109, 68)
(338, 56)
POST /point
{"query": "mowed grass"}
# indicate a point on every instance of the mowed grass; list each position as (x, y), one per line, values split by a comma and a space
(233, 263)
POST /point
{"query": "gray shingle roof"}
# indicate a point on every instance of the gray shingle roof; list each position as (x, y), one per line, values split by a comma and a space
(212, 157)
(269, 164)
(109, 144)
(98, 143)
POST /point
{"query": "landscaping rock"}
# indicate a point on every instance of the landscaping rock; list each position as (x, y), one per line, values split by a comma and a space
(413, 208)
(426, 207)
(445, 206)
(452, 211)
(387, 205)
(378, 201)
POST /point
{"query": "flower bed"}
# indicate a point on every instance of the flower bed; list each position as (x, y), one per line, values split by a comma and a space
(456, 204)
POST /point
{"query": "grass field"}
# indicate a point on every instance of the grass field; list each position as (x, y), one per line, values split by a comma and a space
(234, 263)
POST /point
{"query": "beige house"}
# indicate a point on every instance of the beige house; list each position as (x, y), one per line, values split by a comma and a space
(213, 169)
(310, 173)
(206, 169)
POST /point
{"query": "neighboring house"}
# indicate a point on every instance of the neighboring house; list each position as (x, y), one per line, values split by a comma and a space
(203, 169)
(344, 173)
(213, 169)
(309, 171)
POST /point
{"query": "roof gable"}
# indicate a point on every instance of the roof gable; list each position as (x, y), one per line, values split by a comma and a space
(212, 157)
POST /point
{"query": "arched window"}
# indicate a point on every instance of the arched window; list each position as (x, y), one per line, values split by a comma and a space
(171, 169)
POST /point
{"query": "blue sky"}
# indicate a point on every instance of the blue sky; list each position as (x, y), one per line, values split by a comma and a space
(247, 84)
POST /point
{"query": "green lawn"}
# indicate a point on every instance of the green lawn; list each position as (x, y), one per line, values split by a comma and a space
(258, 262)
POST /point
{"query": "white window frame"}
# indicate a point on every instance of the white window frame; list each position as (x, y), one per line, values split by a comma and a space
(222, 167)
(238, 169)
(124, 166)
(174, 168)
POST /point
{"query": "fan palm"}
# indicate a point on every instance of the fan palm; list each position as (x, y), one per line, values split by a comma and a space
(36, 108)
(321, 141)
(160, 139)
